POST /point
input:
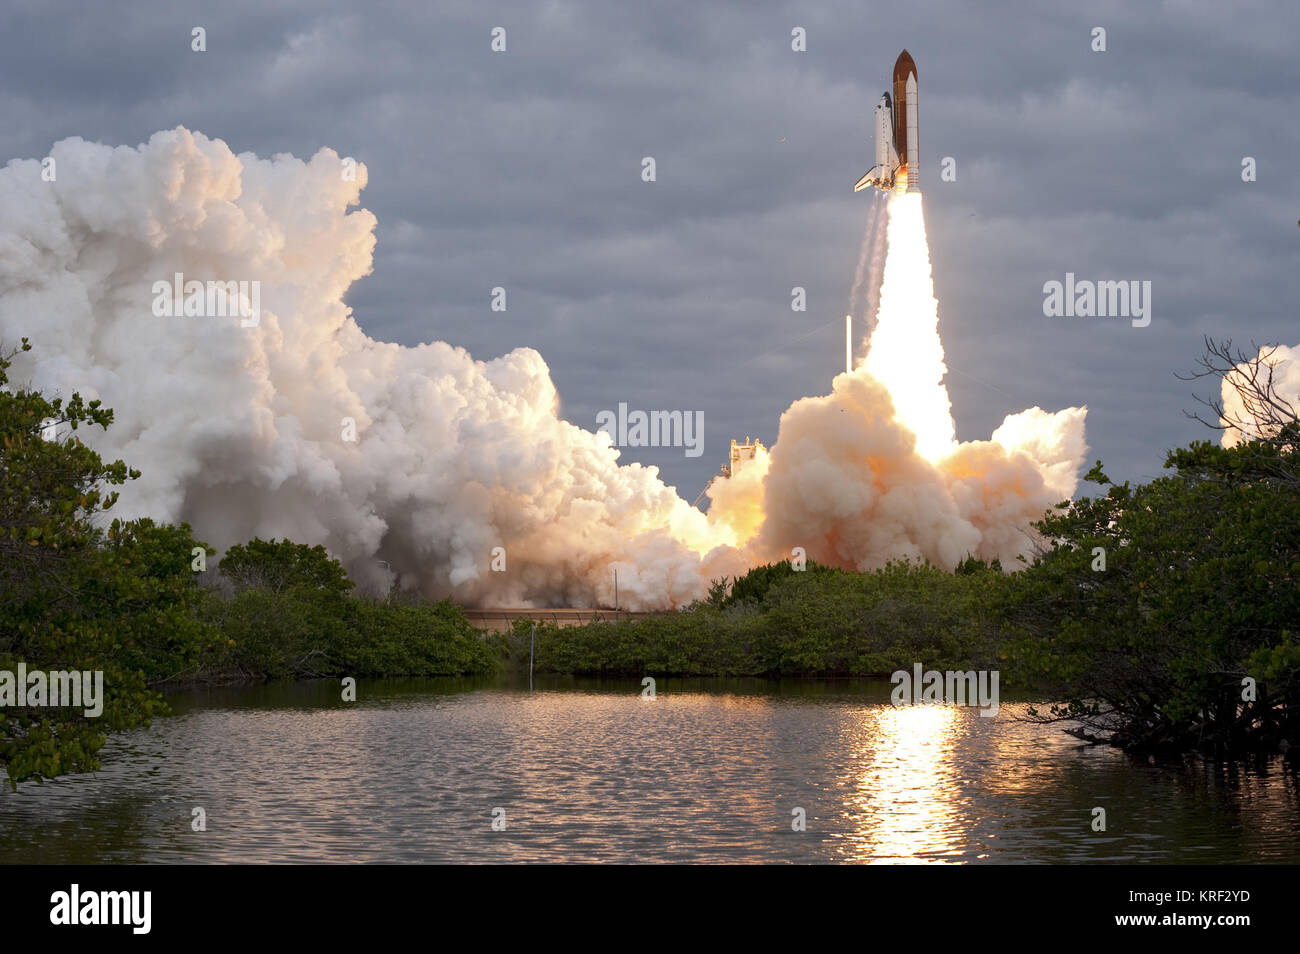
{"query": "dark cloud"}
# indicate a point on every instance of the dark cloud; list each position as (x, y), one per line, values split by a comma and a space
(523, 170)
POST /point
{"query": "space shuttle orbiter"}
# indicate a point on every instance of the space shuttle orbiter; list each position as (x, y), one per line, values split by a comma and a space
(898, 164)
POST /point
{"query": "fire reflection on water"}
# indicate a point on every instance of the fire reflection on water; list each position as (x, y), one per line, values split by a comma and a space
(903, 806)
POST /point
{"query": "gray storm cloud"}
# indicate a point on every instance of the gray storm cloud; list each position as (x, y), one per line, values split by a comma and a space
(243, 431)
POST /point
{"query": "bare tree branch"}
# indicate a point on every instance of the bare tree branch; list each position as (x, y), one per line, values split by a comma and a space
(1265, 416)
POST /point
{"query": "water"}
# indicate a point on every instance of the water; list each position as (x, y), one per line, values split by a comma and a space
(709, 771)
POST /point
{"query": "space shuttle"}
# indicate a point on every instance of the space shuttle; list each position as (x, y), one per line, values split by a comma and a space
(898, 163)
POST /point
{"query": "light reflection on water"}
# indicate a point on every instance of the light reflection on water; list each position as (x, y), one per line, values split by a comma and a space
(902, 809)
(708, 771)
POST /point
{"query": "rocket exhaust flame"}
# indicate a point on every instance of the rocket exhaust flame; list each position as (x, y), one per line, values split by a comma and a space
(905, 353)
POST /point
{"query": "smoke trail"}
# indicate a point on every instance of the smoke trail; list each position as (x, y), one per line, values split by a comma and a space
(866, 277)
(865, 254)
(877, 274)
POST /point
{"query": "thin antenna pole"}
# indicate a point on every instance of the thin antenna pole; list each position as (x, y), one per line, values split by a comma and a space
(532, 641)
(616, 593)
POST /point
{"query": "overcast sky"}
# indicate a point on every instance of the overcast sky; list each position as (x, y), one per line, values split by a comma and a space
(523, 169)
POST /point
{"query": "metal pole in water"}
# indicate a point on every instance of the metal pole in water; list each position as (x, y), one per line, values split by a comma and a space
(532, 640)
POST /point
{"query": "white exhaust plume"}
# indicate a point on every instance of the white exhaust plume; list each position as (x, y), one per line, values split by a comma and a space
(242, 431)
(866, 277)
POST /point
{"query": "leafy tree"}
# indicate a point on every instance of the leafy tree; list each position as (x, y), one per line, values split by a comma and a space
(973, 564)
(753, 587)
(1156, 603)
(825, 622)
(717, 597)
(1183, 632)
(409, 639)
(280, 565)
(77, 597)
(51, 485)
(292, 615)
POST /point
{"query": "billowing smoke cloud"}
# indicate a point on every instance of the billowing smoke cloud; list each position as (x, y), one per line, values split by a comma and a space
(873, 472)
(846, 482)
(240, 431)
(243, 431)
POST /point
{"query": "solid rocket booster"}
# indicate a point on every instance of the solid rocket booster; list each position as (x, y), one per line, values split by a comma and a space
(898, 162)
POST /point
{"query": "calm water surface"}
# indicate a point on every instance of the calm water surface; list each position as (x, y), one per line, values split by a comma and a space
(709, 771)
